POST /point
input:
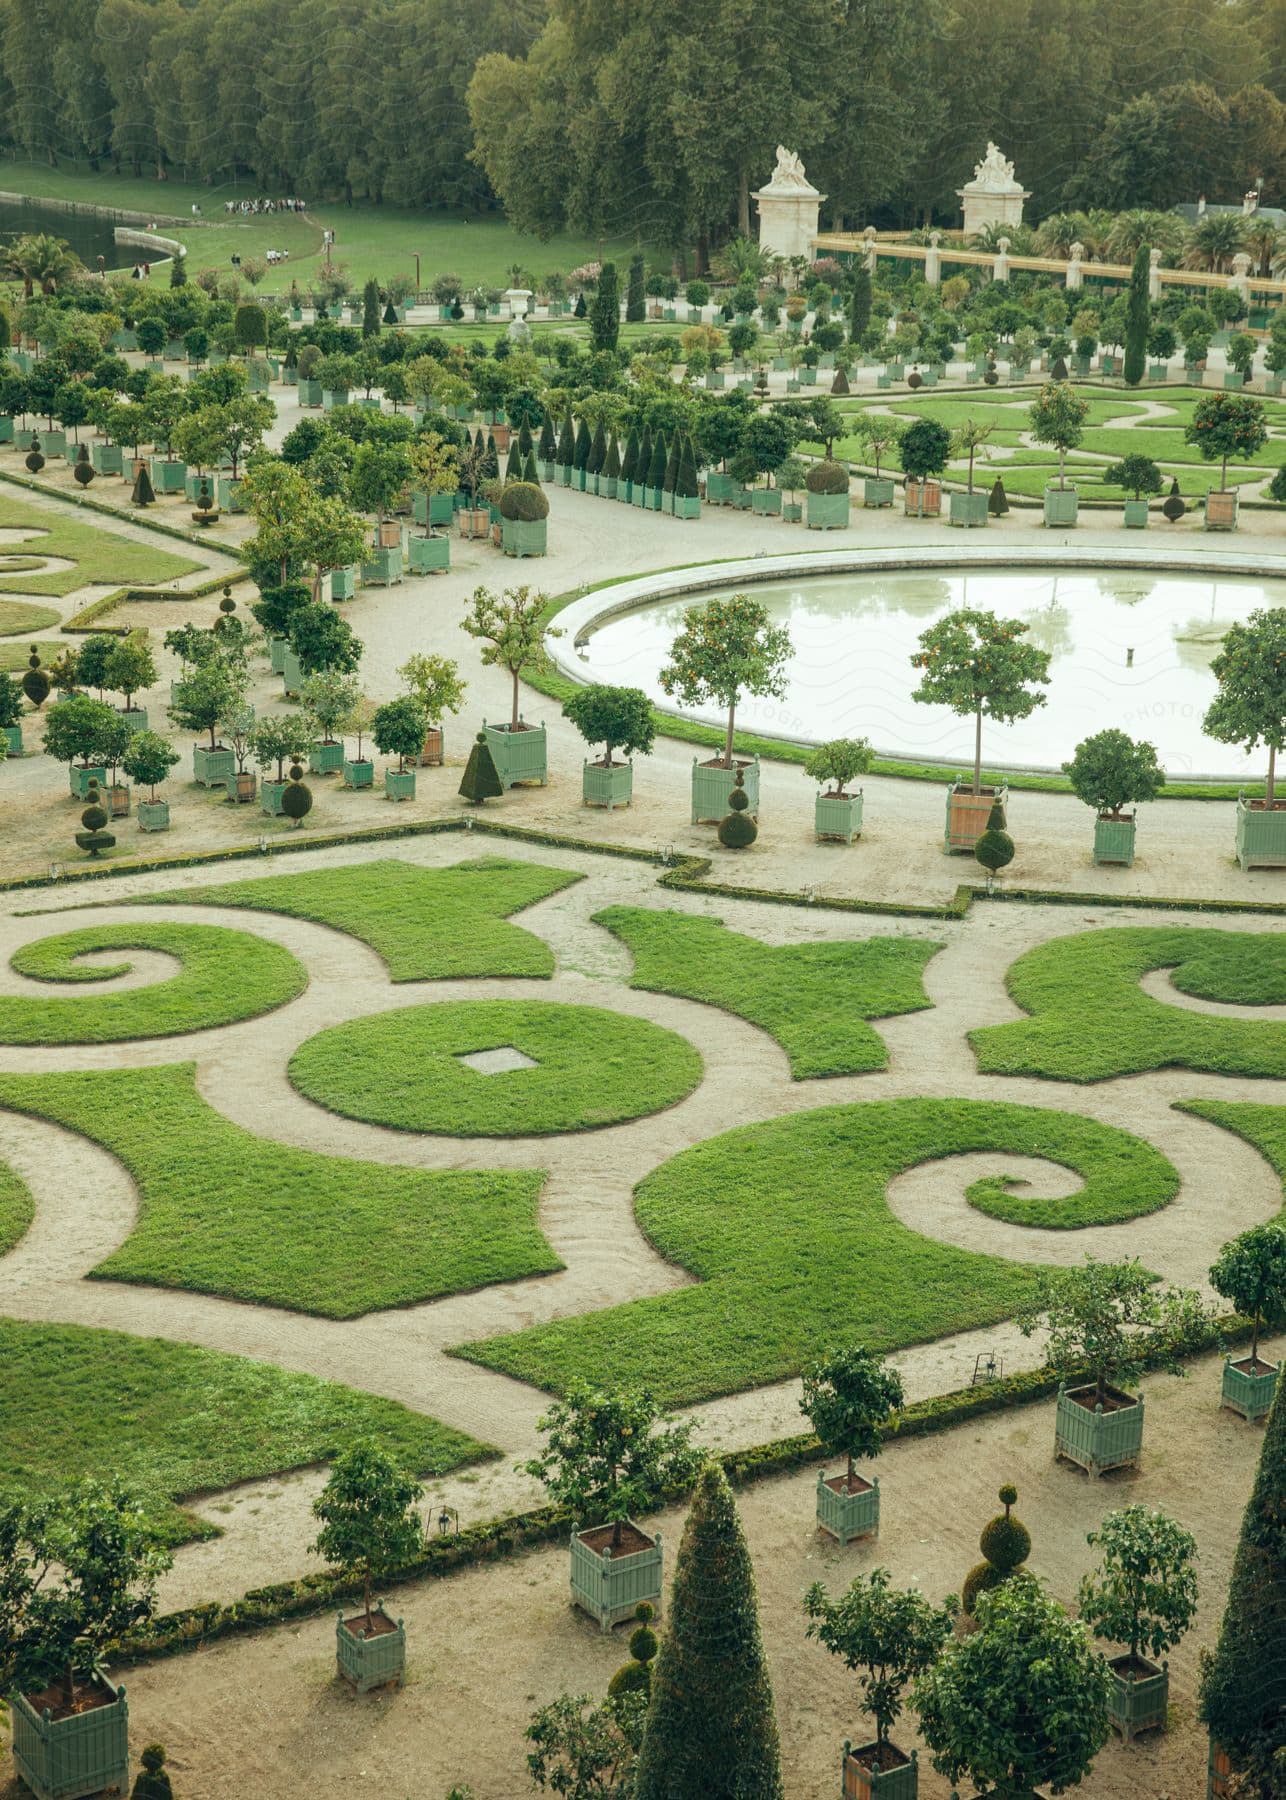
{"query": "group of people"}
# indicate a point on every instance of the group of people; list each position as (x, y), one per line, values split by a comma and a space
(262, 206)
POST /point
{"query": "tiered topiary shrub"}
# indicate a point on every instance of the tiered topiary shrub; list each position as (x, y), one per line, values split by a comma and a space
(826, 485)
(738, 831)
(1005, 1543)
(524, 514)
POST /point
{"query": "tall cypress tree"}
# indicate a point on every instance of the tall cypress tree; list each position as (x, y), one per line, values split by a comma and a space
(548, 442)
(605, 313)
(567, 442)
(612, 461)
(525, 440)
(630, 461)
(657, 466)
(584, 445)
(1138, 316)
(686, 484)
(643, 462)
(371, 308)
(635, 299)
(597, 451)
(672, 462)
(711, 1732)
(492, 469)
(513, 462)
(859, 302)
(1243, 1690)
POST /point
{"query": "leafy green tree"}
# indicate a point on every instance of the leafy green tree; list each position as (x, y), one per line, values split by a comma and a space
(610, 1454)
(1250, 707)
(1241, 353)
(1138, 316)
(378, 476)
(585, 1749)
(979, 666)
(711, 1729)
(1138, 475)
(399, 728)
(11, 693)
(276, 606)
(1057, 416)
(328, 699)
(727, 648)
(1107, 1321)
(885, 1635)
(91, 660)
(369, 1521)
(85, 728)
(1112, 770)
(510, 627)
(926, 445)
(605, 311)
(250, 326)
(849, 1398)
(1223, 426)
(619, 718)
(130, 668)
(1250, 1273)
(321, 639)
(1144, 1592)
(148, 759)
(967, 440)
(988, 1705)
(279, 738)
(435, 682)
(371, 321)
(207, 694)
(881, 433)
(838, 761)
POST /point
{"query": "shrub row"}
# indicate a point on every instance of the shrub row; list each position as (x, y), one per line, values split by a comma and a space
(85, 619)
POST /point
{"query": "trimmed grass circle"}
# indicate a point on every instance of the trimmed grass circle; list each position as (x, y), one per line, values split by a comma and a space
(402, 1069)
(16, 615)
(226, 975)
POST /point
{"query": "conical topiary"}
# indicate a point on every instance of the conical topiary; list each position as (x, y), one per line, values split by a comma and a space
(481, 780)
(711, 1732)
(513, 462)
(635, 1676)
(1005, 1544)
(840, 383)
(492, 470)
(643, 462)
(630, 455)
(526, 443)
(152, 1782)
(672, 464)
(738, 831)
(686, 484)
(997, 500)
(35, 683)
(94, 838)
(658, 463)
(83, 472)
(567, 442)
(612, 461)
(1059, 370)
(995, 848)
(597, 451)
(143, 493)
(584, 445)
(530, 472)
(548, 442)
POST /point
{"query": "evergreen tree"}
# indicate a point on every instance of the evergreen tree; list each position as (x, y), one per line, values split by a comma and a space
(643, 462)
(597, 451)
(686, 484)
(513, 462)
(580, 308)
(525, 440)
(567, 442)
(548, 442)
(672, 463)
(859, 303)
(492, 470)
(481, 780)
(1138, 313)
(178, 272)
(1243, 1688)
(605, 313)
(711, 1732)
(630, 460)
(612, 461)
(659, 462)
(371, 309)
(584, 445)
(635, 304)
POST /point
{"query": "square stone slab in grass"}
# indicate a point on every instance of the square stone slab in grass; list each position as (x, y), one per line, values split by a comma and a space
(501, 1061)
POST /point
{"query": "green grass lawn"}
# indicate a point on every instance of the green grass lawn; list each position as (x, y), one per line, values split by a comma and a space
(1262, 1126)
(1091, 1021)
(786, 1226)
(1028, 476)
(427, 924)
(173, 1421)
(225, 1212)
(814, 999)
(16, 617)
(226, 975)
(98, 555)
(17, 1208)
(593, 1068)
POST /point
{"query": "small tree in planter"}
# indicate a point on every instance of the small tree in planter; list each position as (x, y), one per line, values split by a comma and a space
(435, 682)
(969, 508)
(826, 485)
(1107, 1322)
(129, 668)
(1250, 709)
(837, 813)
(11, 714)
(524, 515)
(1241, 353)
(1139, 476)
(1225, 426)
(510, 627)
(328, 699)
(619, 718)
(609, 1455)
(1143, 1595)
(369, 1526)
(238, 727)
(1109, 772)
(986, 1706)
(791, 477)
(886, 1636)
(727, 648)
(148, 759)
(202, 697)
(925, 448)
(321, 639)
(398, 729)
(584, 1749)
(849, 1398)
(1250, 1272)
(1057, 417)
(89, 729)
(279, 738)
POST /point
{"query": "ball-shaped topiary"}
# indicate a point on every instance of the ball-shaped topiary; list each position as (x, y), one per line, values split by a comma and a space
(35, 459)
(994, 850)
(523, 500)
(296, 771)
(636, 1677)
(297, 800)
(35, 683)
(827, 478)
(738, 830)
(94, 838)
(83, 473)
(1005, 1543)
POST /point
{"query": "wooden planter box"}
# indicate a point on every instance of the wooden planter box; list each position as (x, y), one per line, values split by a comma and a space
(54, 443)
(967, 815)
(399, 784)
(639, 494)
(105, 459)
(292, 676)
(153, 815)
(968, 510)
(827, 512)
(326, 759)
(1136, 515)
(521, 755)
(383, 568)
(1114, 839)
(246, 785)
(688, 506)
(63, 1759)
(371, 1662)
(213, 768)
(167, 475)
(792, 511)
(230, 494)
(433, 752)
(766, 500)
(359, 772)
(1158, 371)
(1261, 835)
(1140, 1704)
(310, 392)
(277, 648)
(848, 1516)
(861, 1782)
(13, 740)
(1096, 1440)
(523, 537)
(607, 787)
(877, 490)
(80, 778)
(1219, 1773)
(1247, 1393)
(117, 798)
(608, 1587)
(922, 499)
(343, 582)
(429, 554)
(1221, 510)
(333, 397)
(711, 785)
(1061, 505)
(838, 816)
(473, 522)
(719, 488)
(1232, 381)
(563, 474)
(270, 793)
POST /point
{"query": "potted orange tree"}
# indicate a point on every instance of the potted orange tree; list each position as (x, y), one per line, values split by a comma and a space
(849, 1398)
(1250, 710)
(925, 447)
(148, 759)
(1250, 1271)
(1139, 476)
(969, 509)
(435, 682)
(1109, 772)
(1057, 417)
(369, 1527)
(398, 729)
(1143, 1595)
(836, 812)
(1223, 426)
(511, 628)
(619, 718)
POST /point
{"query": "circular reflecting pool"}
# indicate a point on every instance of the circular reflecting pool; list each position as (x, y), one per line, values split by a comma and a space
(1128, 647)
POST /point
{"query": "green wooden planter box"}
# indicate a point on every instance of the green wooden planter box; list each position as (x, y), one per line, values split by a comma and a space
(548, 471)
(153, 815)
(1107, 364)
(1114, 840)
(63, 1759)
(607, 787)
(1136, 515)
(1232, 381)
(124, 340)
(524, 537)
(213, 768)
(1141, 1704)
(343, 582)
(6, 428)
(1061, 505)
(877, 490)
(105, 459)
(848, 1516)
(608, 1587)
(715, 381)
(428, 554)
(625, 492)
(1247, 1394)
(270, 793)
(54, 444)
(827, 512)
(399, 784)
(168, 476)
(1261, 836)
(519, 755)
(383, 568)
(719, 488)
(607, 486)
(1221, 510)
(23, 437)
(740, 501)
(967, 815)
(433, 509)
(860, 1782)
(292, 676)
(1272, 384)
(175, 350)
(580, 479)
(838, 816)
(968, 510)
(13, 740)
(563, 474)
(333, 397)
(359, 772)
(325, 759)
(638, 496)
(792, 511)
(277, 649)
(767, 501)
(685, 506)
(230, 494)
(80, 778)
(1158, 371)
(1095, 1440)
(373, 1662)
(711, 787)
(310, 392)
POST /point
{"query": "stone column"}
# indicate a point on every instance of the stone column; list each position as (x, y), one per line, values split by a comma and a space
(933, 260)
(789, 205)
(1074, 274)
